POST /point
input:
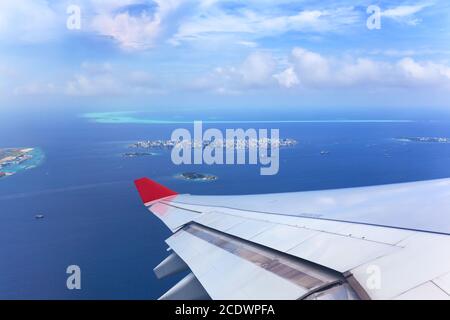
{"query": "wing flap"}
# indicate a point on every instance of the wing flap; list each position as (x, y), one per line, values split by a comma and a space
(338, 251)
(230, 268)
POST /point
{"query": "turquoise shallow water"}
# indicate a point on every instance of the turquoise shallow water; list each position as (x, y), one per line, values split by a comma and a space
(128, 117)
(38, 157)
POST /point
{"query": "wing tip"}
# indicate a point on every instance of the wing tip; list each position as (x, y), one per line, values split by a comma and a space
(151, 191)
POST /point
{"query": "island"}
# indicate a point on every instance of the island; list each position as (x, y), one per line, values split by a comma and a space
(13, 160)
(425, 139)
(224, 143)
(138, 154)
(154, 144)
(195, 176)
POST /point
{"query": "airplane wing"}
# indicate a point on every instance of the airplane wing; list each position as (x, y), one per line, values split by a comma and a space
(380, 242)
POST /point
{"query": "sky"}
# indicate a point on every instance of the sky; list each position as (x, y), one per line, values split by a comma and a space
(137, 54)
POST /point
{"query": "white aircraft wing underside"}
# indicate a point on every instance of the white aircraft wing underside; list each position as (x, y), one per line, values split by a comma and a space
(384, 242)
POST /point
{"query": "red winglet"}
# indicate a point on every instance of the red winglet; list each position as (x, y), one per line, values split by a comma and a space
(150, 190)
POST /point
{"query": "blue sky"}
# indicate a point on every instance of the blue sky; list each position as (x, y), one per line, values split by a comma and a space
(136, 54)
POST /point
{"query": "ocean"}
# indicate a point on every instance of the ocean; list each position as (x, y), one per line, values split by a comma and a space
(94, 217)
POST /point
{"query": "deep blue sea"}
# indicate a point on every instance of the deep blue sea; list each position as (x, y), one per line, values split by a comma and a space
(94, 217)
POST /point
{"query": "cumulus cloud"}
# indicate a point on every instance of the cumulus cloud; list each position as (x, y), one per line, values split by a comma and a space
(135, 26)
(310, 70)
(311, 67)
(256, 71)
(130, 32)
(315, 70)
(424, 73)
(260, 70)
(287, 78)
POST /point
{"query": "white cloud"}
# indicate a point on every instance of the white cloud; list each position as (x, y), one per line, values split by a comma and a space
(133, 24)
(310, 70)
(103, 6)
(311, 20)
(251, 24)
(134, 32)
(256, 71)
(288, 78)
(28, 21)
(311, 67)
(405, 52)
(130, 32)
(405, 13)
(315, 70)
(303, 69)
(250, 44)
(361, 71)
(424, 73)
(141, 24)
